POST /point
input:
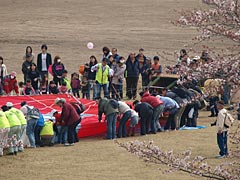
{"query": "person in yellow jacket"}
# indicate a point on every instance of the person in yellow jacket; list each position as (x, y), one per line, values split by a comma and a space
(22, 119)
(15, 130)
(47, 134)
(4, 130)
(102, 75)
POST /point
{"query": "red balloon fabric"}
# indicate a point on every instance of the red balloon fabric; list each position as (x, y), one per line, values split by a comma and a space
(45, 103)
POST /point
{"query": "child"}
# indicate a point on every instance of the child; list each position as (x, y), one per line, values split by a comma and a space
(75, 84)
(63, 89)
(156, 68)
(53, 88)
(85, 88)
(28, 89)
(65, 79)
(34, 77)
(145, 112)
(224, 121)
(146, 72)
(62, 129)
(133, 122)
(21, 86)
(44, 85)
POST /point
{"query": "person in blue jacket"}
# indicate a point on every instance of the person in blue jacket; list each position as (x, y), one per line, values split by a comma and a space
(132, 76)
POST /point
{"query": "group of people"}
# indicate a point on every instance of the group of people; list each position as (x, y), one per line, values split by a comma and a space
(109, 75)
(181, 103)
(27, 127)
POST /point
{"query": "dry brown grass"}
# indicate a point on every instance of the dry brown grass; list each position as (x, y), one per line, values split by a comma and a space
(95, 158)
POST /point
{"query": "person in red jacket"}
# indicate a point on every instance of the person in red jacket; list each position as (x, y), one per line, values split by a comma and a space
(70, 117)
(10, 83)
(157, 105)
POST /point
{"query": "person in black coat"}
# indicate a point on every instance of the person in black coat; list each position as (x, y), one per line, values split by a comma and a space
(145, 112)
(44, 60)
(26, 67)
(34, 76)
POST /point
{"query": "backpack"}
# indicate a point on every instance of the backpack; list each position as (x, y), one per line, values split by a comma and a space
(33, 113)
(79, 107)
(114, 103)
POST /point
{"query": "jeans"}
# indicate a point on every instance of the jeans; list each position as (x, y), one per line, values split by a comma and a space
(72, 132)
(122, 129)
(134, 121)
(131, 90)
(92, 86)
(155, 125)
(213, 105)
(62, 134)
(37, 135)
(170, 121)
(31, 124)
(222, 143)
(111, 126)
(177, 117)
(86, 95)
(105, 90)
(15, 130)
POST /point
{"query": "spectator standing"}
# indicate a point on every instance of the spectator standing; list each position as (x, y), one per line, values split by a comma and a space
(132, 76)
(76, 84)
(57, 69)
(3, 73)
(85, 88)
(103, 72)
(156, 68)
(115, 55)
(118, 78)
(146, 72)
(29, 52)
(44, 60)
(106, 52)
(92, 75)
(26, 67)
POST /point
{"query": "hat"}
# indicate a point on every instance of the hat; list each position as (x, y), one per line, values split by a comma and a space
(13, 73)
(59, 100)
(9, 104)
(148, 58)
(141, 49)
(196, 58)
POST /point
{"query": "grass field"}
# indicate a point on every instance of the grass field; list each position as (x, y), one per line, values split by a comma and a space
(67, 26)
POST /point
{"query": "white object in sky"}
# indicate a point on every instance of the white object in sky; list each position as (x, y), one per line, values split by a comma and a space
(90, 45)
